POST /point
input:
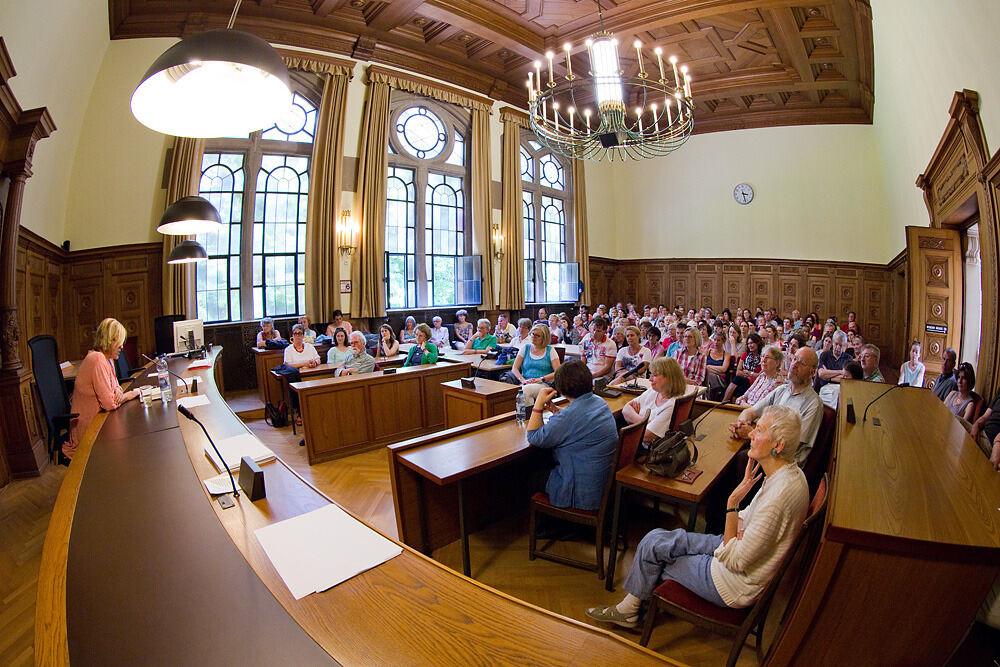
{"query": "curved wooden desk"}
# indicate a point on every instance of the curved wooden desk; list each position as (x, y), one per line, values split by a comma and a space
(137, 570)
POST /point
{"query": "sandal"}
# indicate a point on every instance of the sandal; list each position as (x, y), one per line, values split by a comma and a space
(610, 614)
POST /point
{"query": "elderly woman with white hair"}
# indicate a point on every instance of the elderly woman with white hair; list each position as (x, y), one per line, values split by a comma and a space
(771, 360)
(439, 333)
(831, 362)
(732, 569)
(482, 340)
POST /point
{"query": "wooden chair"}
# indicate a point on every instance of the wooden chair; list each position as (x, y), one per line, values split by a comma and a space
(682, 410)
(738, 623)
(629, 438)
(818, 462)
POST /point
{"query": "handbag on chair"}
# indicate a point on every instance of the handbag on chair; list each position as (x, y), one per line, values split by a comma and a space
(669, 456)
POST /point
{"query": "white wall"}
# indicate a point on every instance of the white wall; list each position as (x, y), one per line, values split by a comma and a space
(56, 50)
(818, 193)
(115, 196)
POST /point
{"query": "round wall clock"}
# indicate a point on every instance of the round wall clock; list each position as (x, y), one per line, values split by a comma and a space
(743, 194)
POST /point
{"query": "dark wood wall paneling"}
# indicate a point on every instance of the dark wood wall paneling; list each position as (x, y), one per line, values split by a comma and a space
(875, 292)
(67, 294)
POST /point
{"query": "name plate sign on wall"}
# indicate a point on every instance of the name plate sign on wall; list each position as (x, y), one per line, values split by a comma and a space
(936, 329)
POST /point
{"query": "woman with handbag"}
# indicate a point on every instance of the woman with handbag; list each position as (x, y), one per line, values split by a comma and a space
(732, 569)
(666, 384)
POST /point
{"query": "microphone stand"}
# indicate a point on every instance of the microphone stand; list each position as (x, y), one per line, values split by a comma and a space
(875, 421)
(694, 427)
(224, 501)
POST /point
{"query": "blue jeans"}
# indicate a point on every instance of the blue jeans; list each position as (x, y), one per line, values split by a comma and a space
(678, 555)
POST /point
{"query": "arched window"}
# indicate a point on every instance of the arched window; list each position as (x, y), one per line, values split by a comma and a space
(546, 215)
(428, 241)
(260, 185)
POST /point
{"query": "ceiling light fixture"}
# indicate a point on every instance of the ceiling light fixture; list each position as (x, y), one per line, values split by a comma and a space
(659, 121)
(220, 83)
(189, 215)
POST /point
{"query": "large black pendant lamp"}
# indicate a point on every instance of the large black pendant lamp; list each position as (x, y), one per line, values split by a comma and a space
(220, 83)
(186, 252)
(189, 215)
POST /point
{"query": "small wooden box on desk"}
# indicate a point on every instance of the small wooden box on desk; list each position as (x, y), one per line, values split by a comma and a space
(354, 413)
(488, 398)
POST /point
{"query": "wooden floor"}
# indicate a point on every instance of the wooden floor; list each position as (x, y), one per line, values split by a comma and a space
(361, 483)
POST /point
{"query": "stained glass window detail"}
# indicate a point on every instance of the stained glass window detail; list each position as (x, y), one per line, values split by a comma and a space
(400, 238)
(298, 123)
(444, 235)
(528, 225)
(527, 167)
(217, 281)
(545, 209)
(457, 156)
(550, 172)
(421, 133)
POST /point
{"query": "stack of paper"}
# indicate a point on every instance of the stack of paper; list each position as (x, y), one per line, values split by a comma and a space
(320, 549)
(235, 448)
(199, 363)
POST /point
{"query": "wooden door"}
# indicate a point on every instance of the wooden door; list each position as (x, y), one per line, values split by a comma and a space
(935, 318)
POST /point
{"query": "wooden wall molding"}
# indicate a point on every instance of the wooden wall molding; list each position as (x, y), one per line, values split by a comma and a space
(829, 288)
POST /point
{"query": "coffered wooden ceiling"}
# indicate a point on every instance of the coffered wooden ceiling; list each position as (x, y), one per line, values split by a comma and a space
(755, 63)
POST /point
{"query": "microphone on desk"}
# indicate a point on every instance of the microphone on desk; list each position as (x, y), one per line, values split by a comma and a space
(694, 427)
(864, 417)
(186, 388)
(633, 374)
(187, 413)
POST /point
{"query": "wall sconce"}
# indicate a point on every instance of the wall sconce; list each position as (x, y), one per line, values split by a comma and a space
(347, 234)
(497, 242)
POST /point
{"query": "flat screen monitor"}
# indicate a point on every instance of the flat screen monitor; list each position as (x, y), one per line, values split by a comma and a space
(182, 331)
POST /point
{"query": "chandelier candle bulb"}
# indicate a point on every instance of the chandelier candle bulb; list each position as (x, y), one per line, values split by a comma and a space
(666, 103)
(673, 64)
(687, 86)
(538, 75)
(586, 115)
(569, 63)
(659, 61)
(555, 114)
(680, 107)
(638, 56)
(571, 111)
(656, 119)
(590, 53)
(548, 56)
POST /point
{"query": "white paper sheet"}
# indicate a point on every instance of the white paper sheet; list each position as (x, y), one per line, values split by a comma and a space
(235, 448)
(219, 484)
(200, 363)
(66, 364)
(320, 549)
(193, 401)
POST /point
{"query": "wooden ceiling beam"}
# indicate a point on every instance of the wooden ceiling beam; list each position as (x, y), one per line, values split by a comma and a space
(488, 25)
(326, 7)
(788, 41)
(395, 14)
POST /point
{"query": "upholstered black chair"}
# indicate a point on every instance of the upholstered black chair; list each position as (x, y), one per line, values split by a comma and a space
(51, 390)
(163, 331)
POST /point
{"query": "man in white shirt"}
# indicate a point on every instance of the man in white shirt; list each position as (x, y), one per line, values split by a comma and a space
(598, 350)
(505, 331)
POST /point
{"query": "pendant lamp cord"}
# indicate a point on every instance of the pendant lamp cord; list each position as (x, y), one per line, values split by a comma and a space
(600, 14)
(236, 8)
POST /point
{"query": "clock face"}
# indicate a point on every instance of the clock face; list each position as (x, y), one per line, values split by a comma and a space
(743, 194)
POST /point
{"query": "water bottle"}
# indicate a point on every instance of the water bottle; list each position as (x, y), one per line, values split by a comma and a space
(163, 378)
(519, 406)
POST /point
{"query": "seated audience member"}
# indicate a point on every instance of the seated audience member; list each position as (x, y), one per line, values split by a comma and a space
(831, 362)
(408, 334)
(555, 330)
(578, 330)
(869, 363)
(388, 346)
(732, 569)
(961, 401)
(824, 344)
(543, 317)
(717, 362)
(632, 357)
(585, 312)
(523, 334)
(989, 425)
(267, 332)
(947, 381)
(666, 382)
(423, 351)
(735, 344)
(598, 351)
(504, 330)
(912, 371)
(852, 318)
(583, 438)
(786, 329)
(796, 319)
(439, 333)
(691, 358)
(830, 393)
(653, 342)
(340, 350)
(536, 362)
(301, 354)
(747, 369)
(566, 326)
(97, 386)
(798, 340)
(463, 329)
(706, 336)
(618, 336)
(770, 363)
(671, 337)
(338, 323)
(768, 334)
(359, 361)
(309, 335)
(797, 394)
(482, 340)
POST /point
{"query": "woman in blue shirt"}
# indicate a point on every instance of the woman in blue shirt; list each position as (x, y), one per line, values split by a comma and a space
(583, 438)
(536, 363)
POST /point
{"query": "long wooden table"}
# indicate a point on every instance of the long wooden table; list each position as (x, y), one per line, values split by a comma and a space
(911, 543)
(430, 476)
(269, 388)
(140, 566)
(354, 413)
(715, 453)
